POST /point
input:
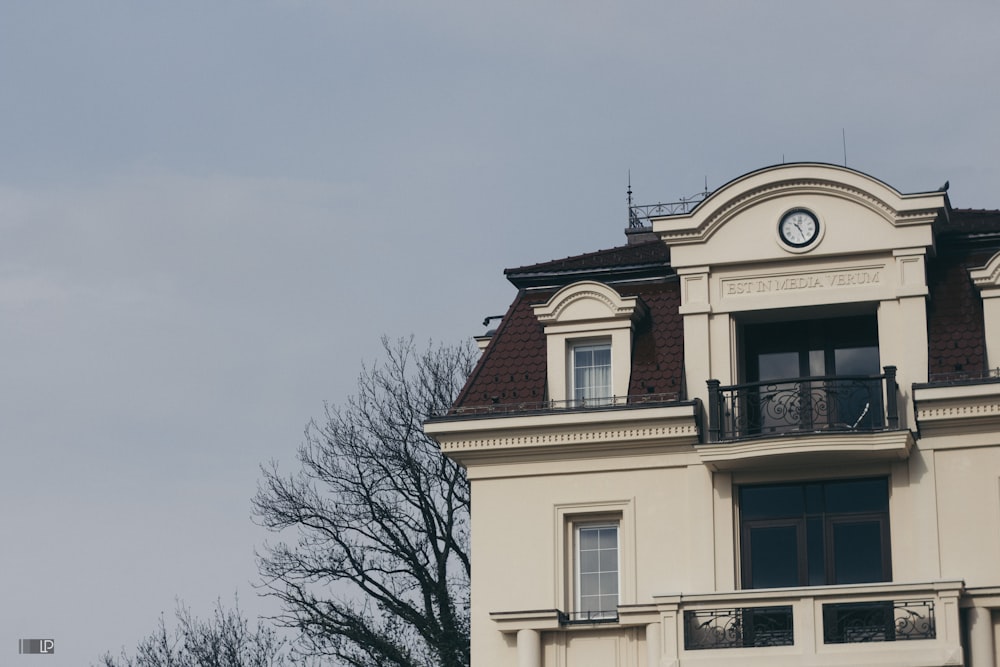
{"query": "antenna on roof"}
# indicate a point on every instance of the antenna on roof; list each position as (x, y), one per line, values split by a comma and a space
(843, 136)
(633, 219)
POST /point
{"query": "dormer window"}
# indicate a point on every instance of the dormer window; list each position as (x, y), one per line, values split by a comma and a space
(588, 332)
(592, 374)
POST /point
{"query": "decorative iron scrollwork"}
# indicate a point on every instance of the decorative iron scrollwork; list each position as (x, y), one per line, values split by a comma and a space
(801, 405)
(883, 621)
(738, 628)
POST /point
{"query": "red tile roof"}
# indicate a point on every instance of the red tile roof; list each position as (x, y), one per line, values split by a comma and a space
(512, 368)
(956, 334)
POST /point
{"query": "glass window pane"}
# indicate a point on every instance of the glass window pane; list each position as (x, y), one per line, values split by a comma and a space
(590, 584)
(817, 362)
(778, 365)
(609, 583)
(856, 360)
(588, 538)
(774, 556)
(592, 372)
(609, 538)
(609, 602)
(770, 502)
(861, 495)
(857, 552)
(589, 561)
(609, 560)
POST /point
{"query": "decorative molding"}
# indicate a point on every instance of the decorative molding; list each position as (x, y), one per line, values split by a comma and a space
(568, 438)
(771, 190)
(735, 197)
(988, 275)
(617, 307)
(957, 409)
(834, 448)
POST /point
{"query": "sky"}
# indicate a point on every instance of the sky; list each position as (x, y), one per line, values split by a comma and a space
(212, 210)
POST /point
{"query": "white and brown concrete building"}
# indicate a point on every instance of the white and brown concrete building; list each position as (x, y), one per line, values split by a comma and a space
(763, 432)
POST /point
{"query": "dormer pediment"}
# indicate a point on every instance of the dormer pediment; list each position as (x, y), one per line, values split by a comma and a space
(587, 302)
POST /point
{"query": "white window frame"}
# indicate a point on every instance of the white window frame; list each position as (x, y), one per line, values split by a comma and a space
(607, 396)
(602, 613)
(567, 518)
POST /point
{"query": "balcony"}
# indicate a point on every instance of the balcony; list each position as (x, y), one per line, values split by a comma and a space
(846, 403)
(858, 624)
(913, 624)
(829, 419)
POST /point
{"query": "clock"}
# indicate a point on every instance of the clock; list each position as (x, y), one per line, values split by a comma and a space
(798, 228)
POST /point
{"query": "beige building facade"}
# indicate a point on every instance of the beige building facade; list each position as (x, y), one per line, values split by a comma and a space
(763, 432)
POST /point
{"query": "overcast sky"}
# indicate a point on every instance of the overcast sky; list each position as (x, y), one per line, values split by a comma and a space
(211, 210)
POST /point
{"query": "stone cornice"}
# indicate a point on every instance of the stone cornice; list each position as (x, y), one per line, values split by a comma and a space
(813, 448)
(560, 435)
(957, 409)
(987, 276)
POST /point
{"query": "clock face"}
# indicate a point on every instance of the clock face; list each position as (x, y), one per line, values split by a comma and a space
(798, 228)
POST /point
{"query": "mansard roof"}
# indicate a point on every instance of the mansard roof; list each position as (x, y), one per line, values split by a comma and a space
(512, 369)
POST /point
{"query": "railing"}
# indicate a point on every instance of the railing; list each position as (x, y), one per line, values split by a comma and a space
(577, 617)
(531, 407)
(964, 377)
(742, 627)
(803, 405)
(810, 625)
(882, 621)
(640, 213)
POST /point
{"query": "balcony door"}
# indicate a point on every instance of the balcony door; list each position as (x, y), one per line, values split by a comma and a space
(833, 532)
(784, 356)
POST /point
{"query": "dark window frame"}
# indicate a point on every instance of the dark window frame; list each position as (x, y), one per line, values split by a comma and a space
(828, 520)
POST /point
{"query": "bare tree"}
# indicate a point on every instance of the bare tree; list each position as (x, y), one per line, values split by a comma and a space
(225, 640)
(379, 571)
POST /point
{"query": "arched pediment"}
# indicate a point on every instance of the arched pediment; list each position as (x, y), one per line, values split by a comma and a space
(586, 301)
(800, 181)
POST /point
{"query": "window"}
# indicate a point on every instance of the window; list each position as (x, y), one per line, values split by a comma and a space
(812, 534)
(597, 578)
(595, 559)
(592, 374)
(781, 357)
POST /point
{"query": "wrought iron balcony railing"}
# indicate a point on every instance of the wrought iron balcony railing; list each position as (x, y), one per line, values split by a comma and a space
(803, 405)
(886, 621)
(742, 627)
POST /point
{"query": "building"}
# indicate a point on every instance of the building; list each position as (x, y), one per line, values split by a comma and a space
(763, 432)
